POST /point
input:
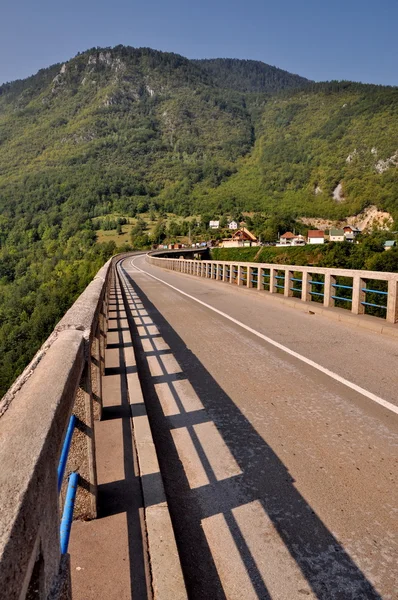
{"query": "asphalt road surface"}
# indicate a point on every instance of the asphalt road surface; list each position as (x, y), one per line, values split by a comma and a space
(278, 456)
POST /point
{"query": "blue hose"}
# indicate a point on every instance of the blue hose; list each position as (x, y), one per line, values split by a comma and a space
(67, 515)
(65, 451)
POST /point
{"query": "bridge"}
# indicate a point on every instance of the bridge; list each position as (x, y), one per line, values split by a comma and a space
(216, 430)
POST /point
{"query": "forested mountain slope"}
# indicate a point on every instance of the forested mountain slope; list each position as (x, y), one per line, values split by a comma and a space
(250, 75)
(124, 129)
(111, 130)
(328, 150)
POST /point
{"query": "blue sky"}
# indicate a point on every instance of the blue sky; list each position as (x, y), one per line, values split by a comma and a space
(319, 39)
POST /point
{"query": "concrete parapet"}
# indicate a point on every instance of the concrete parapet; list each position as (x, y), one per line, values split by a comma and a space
(327, 283)
(63, 377)
(30, 442)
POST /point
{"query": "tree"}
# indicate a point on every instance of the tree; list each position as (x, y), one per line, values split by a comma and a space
(159, 232)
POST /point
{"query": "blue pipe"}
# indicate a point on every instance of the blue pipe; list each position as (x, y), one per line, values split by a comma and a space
(374, 291)
(65, 451)
(337, 285)
(375, 305)
(67, 515)
(341, 298)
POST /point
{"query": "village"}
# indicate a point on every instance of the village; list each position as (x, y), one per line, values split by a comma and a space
(242, 238)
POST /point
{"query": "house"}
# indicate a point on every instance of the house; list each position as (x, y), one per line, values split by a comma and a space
(389, 244)
(286, 239)
(214, 224)
(233, 225)
(349, 229)
(241, 238)
(299, 241)
(336, 235)
(291, 239)
(349, 237)
(316, 236)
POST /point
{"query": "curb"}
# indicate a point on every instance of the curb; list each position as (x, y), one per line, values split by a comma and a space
(165, 568)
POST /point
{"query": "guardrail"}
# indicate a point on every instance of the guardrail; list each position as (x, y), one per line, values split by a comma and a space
(39, 442)
(362, 292)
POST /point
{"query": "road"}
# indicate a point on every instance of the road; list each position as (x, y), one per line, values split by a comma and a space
(279, 462)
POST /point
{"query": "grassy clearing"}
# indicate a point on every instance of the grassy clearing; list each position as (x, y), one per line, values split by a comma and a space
(124, 238)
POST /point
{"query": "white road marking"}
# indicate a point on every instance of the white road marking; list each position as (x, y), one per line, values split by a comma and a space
(304, 359)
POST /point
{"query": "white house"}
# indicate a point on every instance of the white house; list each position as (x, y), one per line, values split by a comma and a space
(286, 239)
(336, 235)
(233, 225)
(214, 224)
(291, 239)
(316, 236)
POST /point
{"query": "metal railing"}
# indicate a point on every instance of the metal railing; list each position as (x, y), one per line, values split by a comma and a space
(362, 292)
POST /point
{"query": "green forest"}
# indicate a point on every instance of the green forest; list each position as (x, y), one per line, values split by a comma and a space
(116, 133)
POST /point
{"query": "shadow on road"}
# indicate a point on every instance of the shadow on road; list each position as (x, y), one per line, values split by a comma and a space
(259, 488)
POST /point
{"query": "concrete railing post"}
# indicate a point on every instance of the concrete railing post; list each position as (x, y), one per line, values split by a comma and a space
(96, 373)
(272, 281)
(329, 290)
(288, 275)
(240, 274)
(249, 275)
(392, 301)
(231, 273)
(260, 275)
(358, 295)
(224, 272)
(305, 287)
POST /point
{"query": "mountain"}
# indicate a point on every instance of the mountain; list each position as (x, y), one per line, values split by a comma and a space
(328, 150)
(250, 75)
(124, 130)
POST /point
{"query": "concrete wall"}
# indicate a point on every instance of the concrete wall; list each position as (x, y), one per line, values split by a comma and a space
(62, 378)
(271, 277)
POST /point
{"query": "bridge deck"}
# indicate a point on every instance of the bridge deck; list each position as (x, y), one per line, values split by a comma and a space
(280, 478)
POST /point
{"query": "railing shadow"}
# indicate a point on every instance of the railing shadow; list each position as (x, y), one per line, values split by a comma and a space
(326, 566)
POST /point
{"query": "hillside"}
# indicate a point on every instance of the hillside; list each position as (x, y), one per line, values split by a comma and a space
(122, 129)
(250, 75)
(126, 131)
(327, 151)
